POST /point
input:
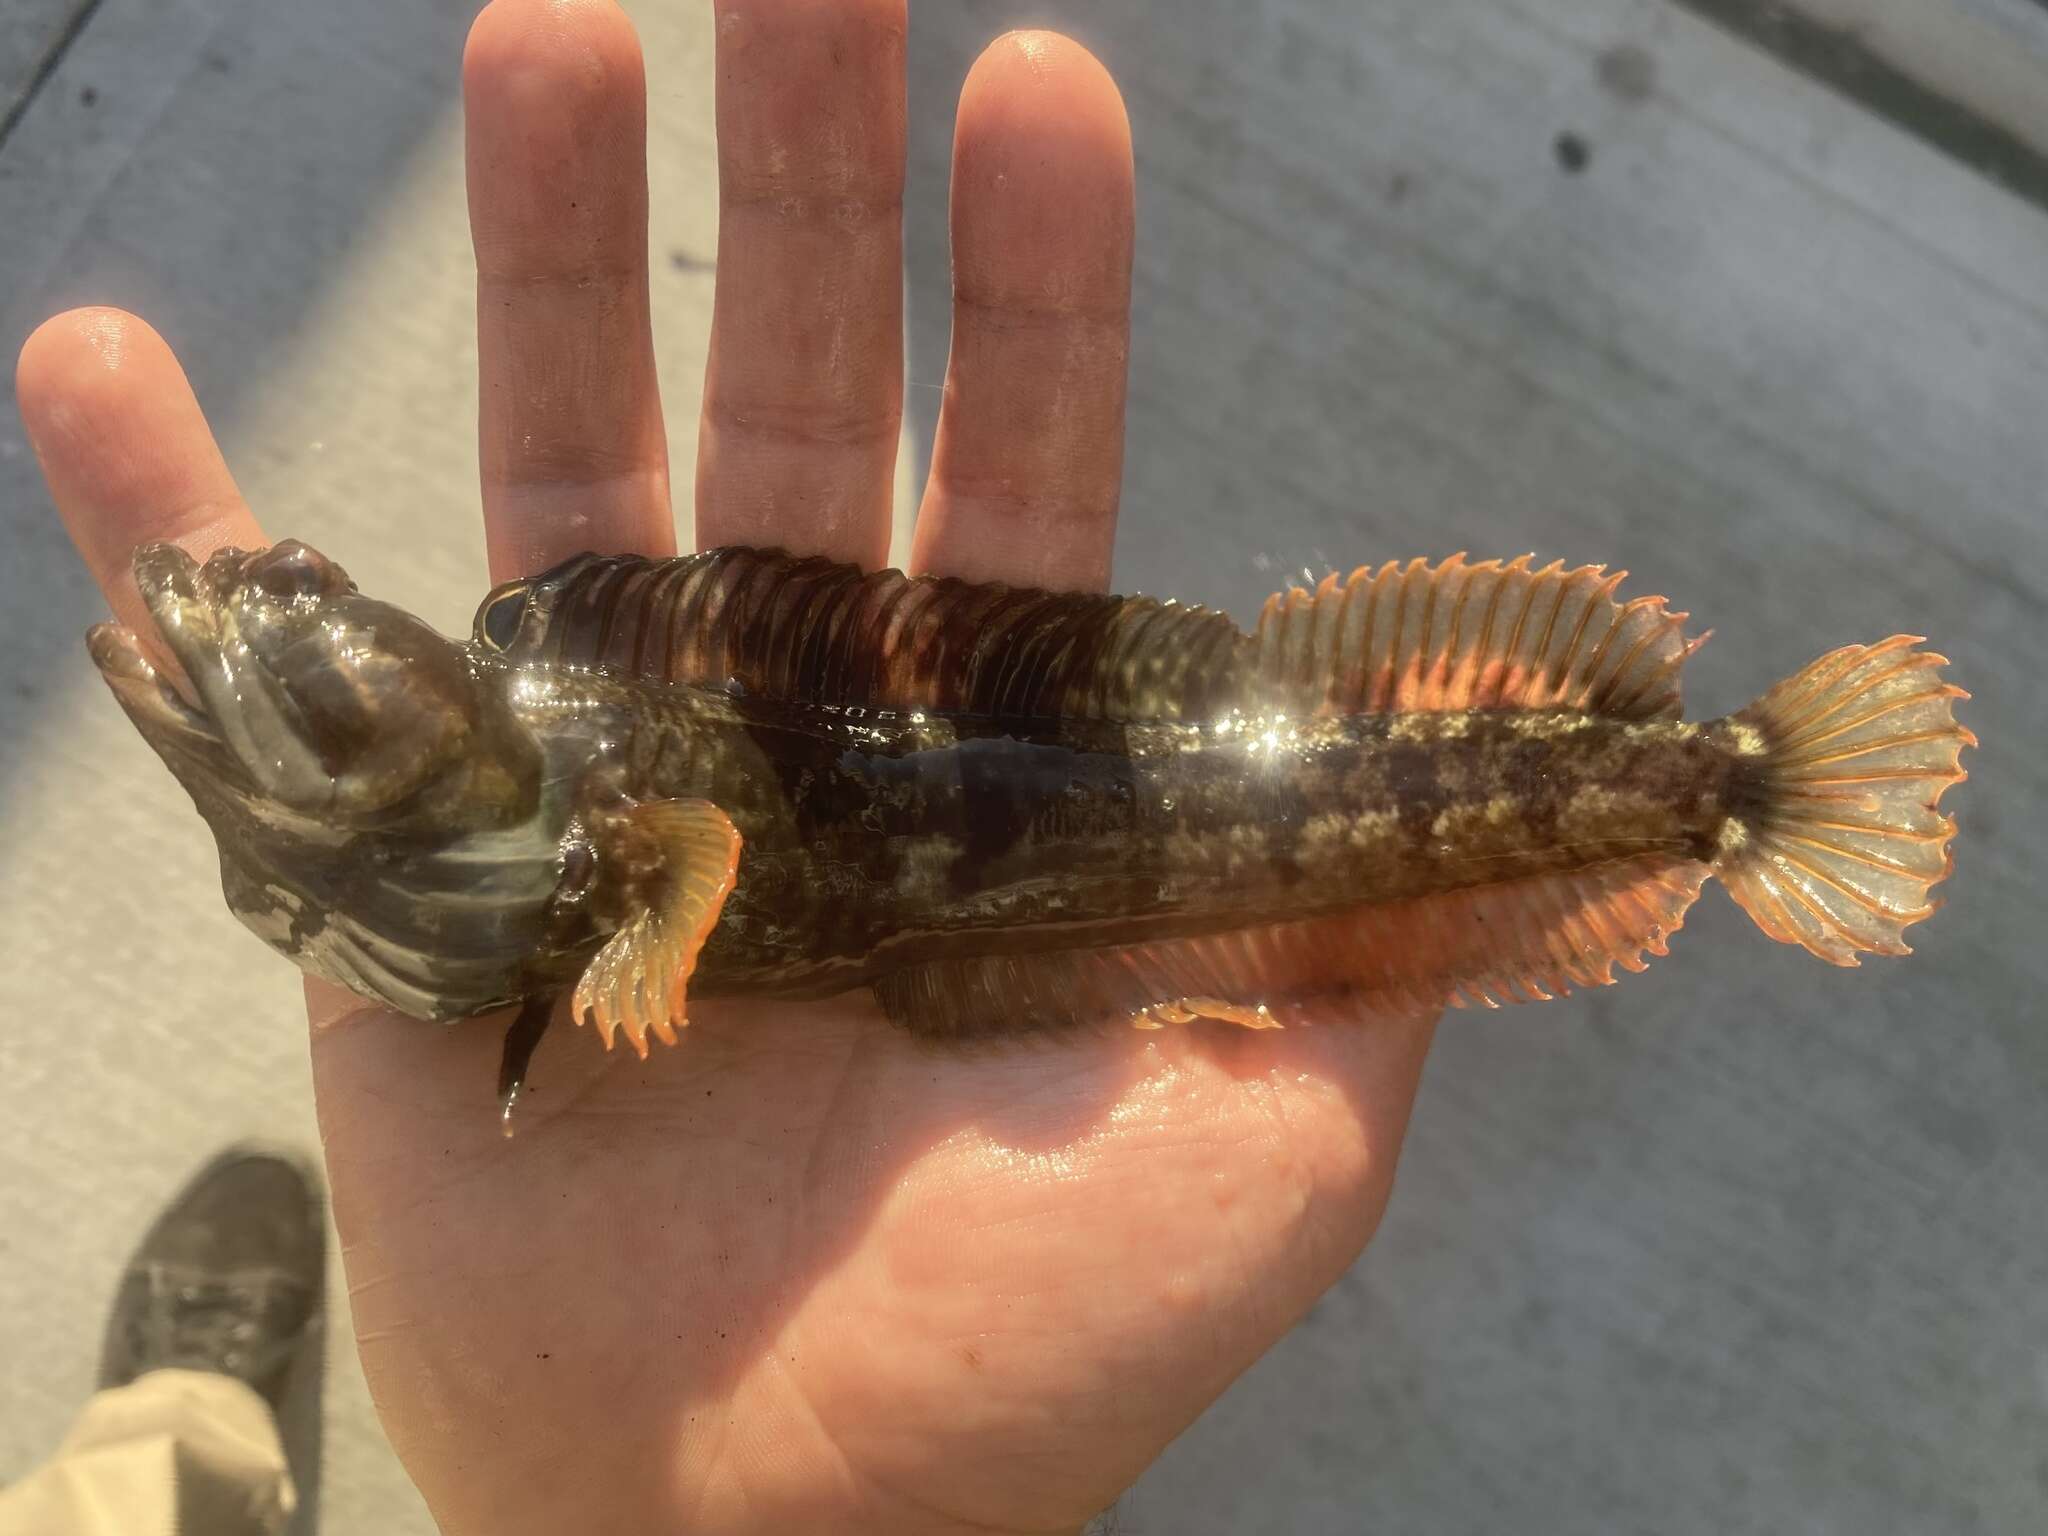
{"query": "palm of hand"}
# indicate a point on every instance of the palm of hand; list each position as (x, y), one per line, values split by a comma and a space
(801, 1273)
(808, 1274)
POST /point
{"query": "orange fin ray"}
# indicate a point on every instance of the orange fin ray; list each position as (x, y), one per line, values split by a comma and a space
(1456, 636)
(1183, 1010)
(678, 860)
(1854, 754)
(1517, 941)
(1414, 636)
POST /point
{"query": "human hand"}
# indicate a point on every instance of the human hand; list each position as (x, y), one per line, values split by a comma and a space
(802, 1273)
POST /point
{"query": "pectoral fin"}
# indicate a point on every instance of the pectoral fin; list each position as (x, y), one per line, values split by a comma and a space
(676, 861)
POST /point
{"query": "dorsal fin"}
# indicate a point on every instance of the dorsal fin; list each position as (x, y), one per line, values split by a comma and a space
(1403, 637)
(812, 631)
(1488, 636)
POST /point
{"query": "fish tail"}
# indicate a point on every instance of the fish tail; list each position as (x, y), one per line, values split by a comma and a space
(1842, 839)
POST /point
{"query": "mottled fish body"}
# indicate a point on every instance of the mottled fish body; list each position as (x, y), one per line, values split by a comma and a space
(1005, 810)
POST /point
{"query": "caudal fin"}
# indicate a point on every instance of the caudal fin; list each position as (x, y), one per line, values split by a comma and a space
(1853, 754)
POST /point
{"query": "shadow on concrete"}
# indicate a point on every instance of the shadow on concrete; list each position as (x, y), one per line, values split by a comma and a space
(128, 179)
(129, 182)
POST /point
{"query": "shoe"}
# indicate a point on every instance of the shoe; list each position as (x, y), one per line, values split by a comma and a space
(229, 1278)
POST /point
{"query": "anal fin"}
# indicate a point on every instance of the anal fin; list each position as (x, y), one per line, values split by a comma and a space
(675, 861)
(1511, 941)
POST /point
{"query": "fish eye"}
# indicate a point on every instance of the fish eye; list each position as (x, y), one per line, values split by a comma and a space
(289, 570)
(498, 625)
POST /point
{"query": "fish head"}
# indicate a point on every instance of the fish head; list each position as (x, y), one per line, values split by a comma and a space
(377, 802)
(302, 694)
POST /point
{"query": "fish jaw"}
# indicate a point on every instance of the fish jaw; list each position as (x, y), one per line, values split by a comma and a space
(151, 700)
(178, 730)
(248, 707)
(184, 611)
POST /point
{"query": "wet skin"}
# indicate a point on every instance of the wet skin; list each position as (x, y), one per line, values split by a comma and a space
(804, 1273)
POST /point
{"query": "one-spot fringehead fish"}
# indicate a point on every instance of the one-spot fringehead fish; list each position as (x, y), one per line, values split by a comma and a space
(1009, 811)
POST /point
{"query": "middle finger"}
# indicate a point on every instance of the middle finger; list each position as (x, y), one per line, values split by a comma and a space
(803, 391)
(571, 442)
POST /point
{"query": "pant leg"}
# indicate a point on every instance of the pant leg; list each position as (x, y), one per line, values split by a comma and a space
(174, 1453)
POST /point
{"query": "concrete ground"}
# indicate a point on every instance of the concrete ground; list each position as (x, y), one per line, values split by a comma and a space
(1746, 1245)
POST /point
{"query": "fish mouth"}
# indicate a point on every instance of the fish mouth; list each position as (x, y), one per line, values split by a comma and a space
(232, 710)
(169, 582)
(150, 697)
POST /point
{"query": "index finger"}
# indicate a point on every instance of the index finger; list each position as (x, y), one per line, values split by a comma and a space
(125, 448)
